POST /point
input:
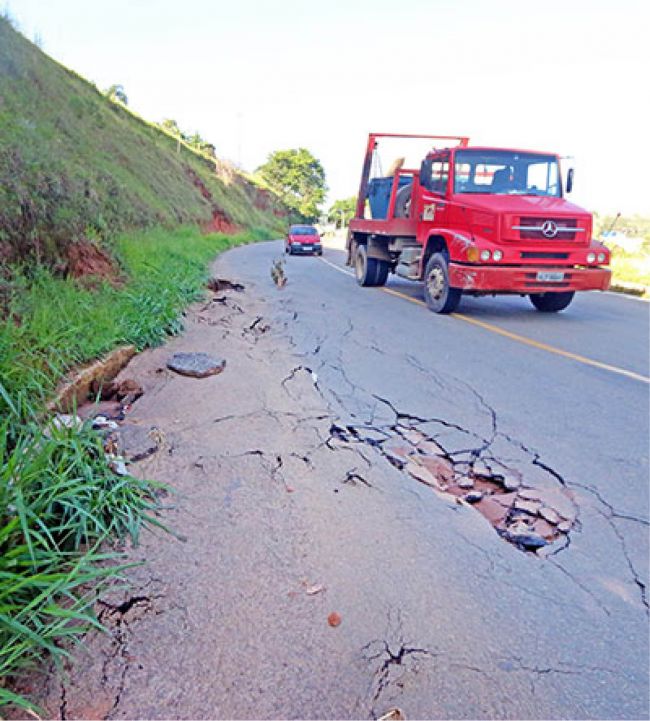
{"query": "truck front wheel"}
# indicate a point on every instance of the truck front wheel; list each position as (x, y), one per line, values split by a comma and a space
(369, 271)
(551, 302)
(440, 297)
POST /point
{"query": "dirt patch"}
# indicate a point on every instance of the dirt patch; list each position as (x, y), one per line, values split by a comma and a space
(220, 223)
(85, 259)
(75, 391)
(198, 183)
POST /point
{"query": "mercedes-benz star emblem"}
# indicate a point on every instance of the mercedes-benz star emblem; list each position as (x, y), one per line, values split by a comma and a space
(549, 229)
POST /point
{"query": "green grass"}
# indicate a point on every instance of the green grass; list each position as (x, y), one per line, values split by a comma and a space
(59, 500)
(631, 267)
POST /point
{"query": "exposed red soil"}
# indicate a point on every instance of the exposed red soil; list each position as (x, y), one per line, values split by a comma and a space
(198, 183)
(86, 259)
(220, 223)
(262, 199)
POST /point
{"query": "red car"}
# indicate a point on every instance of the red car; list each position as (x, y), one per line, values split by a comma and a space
(303, 239)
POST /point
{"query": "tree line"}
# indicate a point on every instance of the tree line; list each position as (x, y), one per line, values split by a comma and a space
(295, 175)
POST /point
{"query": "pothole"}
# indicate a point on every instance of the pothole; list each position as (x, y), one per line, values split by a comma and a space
(528, 517)
(220, 284)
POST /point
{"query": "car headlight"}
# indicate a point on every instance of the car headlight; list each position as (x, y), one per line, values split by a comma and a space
(485, 255)
(497, 255)
(591, 257)
(601, 257)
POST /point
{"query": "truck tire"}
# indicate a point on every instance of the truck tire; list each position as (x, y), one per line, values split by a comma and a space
(369, 271)
(403, 202)
(551, 302)
(439, 295)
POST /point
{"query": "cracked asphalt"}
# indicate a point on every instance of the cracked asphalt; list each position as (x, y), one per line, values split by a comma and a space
(286, 508)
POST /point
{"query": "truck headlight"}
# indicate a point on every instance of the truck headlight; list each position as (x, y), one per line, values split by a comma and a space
(601, 257)
(485, 255)
(591, 257)
(497, 255)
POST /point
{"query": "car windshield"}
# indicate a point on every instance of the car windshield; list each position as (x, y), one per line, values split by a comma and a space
(504, 172)
(303, 230)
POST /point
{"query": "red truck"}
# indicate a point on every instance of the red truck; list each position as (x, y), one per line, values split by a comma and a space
(476, 221)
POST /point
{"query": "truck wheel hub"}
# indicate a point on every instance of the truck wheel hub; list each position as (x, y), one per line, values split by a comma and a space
(436, 283)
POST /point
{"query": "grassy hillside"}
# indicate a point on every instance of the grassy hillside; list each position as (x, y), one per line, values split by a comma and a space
(75, 165)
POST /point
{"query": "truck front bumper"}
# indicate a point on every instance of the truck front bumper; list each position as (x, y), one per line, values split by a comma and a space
(526, 279)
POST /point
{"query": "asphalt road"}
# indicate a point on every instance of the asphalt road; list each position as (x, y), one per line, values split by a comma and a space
(562, 398)
(287, 508)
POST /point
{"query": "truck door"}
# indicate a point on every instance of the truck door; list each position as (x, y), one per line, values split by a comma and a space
(434, 196)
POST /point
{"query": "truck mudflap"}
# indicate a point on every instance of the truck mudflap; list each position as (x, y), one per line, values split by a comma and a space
(526, 279)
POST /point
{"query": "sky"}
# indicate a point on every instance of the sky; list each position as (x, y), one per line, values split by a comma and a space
(254, 76)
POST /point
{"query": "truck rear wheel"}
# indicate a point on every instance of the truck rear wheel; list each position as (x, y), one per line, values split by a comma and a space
(551, 302)
(369, 271)
(439, 295)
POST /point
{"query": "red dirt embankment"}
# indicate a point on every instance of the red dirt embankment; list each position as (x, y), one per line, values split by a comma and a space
(86, 259)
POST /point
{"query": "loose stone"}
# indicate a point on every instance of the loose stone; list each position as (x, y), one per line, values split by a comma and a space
(196, 365)
(526, 539)
(473, 496)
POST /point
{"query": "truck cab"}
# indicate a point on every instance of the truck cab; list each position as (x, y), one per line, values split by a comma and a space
(477, 220)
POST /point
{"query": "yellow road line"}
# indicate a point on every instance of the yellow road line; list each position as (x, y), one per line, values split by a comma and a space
(516, 337)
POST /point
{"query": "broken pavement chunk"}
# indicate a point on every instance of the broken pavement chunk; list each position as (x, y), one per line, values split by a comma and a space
(196, 365)
(421, 474)
(511, 481)
(394, 714)
(527, 539)
(549, 515)
(431, 447)
(530, 507)
(136, 443)
(441, 468)
(473, 496)
(481, 468)
(465, 483)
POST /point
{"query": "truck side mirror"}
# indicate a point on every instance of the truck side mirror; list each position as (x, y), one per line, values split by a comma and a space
(569, 180)
(426, 173)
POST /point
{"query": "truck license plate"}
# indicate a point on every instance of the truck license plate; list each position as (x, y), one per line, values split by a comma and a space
(306, 247)
(550, 277)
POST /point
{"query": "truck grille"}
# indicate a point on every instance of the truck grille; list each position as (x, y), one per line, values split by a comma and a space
(530, 255)
(531, 228)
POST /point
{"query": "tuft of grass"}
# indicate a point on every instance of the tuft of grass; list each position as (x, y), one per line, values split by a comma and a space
(59, 501)
(632, 267)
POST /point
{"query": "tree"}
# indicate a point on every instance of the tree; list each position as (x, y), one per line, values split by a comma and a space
(298, 178)
(171, 126)
(116, 93)
(342, 211)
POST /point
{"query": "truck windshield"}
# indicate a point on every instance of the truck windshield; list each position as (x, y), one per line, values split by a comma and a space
(503, 172)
